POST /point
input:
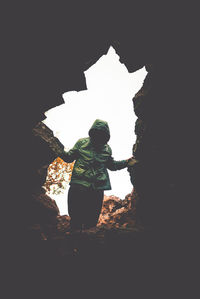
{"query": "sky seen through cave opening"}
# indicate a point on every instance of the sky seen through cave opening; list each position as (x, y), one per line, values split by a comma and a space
(110, 89)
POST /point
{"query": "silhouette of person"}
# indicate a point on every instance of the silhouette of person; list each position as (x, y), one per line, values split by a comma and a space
(90, 176)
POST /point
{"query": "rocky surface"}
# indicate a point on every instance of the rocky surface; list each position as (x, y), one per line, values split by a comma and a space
(159, 148)
(46, 148)
(45, 134)
(42, 217)
(47, 224)
(118, 213)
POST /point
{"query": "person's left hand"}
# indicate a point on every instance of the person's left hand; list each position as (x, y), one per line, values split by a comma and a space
(132, 161)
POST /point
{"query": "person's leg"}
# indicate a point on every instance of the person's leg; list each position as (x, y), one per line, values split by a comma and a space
(75, 203)
(84, 206)
(94, 205)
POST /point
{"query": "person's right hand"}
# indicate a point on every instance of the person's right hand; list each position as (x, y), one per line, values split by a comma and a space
(132, 162)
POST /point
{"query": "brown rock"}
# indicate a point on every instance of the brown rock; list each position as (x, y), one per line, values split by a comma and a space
(116, 212)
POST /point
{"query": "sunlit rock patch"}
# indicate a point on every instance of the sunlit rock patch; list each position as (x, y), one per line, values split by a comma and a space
(117, 213)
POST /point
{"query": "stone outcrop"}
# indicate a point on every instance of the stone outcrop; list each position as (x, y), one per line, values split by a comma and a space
(47, 224)
(46, 149)
(46, 135)
(42, 222)
(118, 213)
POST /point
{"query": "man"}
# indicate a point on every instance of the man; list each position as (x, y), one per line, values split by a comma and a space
(90, 176)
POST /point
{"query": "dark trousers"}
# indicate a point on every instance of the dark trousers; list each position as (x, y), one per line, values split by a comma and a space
(84, 206)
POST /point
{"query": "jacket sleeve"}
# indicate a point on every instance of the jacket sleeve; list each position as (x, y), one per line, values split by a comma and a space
(72, 154)
(116, 165)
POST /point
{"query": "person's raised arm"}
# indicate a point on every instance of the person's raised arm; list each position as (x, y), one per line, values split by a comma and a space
(72, 154)
(112, 164)
(117, 165)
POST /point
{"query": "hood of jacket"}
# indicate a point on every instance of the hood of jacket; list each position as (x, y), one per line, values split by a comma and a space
(101, 125)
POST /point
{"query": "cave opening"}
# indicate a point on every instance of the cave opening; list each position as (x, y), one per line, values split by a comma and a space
(44, 45)
(110, 89)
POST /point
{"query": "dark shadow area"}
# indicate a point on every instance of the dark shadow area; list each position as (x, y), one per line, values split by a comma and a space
(47, 48)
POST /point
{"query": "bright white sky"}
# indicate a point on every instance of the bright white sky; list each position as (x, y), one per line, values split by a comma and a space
(110, 89)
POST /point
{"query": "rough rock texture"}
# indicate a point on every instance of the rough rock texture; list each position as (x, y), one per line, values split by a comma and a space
(160, 149)
(117, 213)
(44, 133)
(46, 149)
(47, 224)
(42, 217)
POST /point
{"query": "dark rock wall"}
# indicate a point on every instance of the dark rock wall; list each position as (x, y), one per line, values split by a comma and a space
(47, 48)
(164, 173)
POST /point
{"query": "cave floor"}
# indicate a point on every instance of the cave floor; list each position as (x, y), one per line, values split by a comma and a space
(97, 243)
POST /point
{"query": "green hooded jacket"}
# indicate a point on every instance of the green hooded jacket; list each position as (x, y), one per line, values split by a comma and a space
(90, 168)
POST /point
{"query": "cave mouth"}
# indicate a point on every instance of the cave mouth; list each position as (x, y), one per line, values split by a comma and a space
(110, 89)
